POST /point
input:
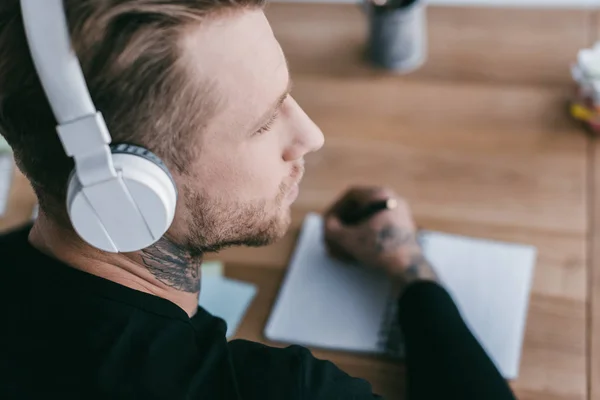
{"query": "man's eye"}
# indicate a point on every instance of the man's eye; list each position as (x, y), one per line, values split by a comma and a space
(267, 127)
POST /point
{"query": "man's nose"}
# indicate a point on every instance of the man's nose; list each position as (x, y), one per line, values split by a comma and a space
(307, 136)
(317, 139)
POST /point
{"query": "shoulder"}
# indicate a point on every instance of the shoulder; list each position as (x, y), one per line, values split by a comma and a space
(296, 368)
(15, 239)
(14, 250)
(257, 362)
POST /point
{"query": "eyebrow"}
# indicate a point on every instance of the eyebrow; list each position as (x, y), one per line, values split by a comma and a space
(268, 115)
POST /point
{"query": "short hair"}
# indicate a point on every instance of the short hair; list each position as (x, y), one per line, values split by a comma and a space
(131, 57)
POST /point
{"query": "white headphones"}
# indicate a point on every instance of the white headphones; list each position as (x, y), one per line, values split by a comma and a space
(120, 198)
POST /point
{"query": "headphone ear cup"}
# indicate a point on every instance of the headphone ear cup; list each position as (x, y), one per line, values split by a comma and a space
(84, 218)
(153, 191)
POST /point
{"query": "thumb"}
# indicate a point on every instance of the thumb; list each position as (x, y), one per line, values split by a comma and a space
(336, 239)
(333, 224)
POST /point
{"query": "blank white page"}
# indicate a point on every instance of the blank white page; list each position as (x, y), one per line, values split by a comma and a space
(490, 282)
(326, 303)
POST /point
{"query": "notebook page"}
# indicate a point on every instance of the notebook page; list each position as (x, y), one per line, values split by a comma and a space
(326, 303)
(490, 283)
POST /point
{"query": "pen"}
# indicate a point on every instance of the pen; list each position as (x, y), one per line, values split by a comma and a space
(356, 216)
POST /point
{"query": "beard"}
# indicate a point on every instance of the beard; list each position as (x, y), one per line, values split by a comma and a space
(219, 223)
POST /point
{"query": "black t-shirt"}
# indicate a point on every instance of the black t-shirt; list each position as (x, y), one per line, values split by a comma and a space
(68, 334)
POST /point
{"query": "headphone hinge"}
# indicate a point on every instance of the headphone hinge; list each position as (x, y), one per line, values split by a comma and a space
(86, 140)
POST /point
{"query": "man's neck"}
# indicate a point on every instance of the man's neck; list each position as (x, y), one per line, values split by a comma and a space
(164, 269)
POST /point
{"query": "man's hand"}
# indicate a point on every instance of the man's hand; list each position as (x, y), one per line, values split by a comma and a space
(387, 240)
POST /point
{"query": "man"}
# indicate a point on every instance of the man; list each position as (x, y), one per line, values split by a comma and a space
(205, 86)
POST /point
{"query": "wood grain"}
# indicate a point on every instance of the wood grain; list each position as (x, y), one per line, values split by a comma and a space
(20, 203)
(452, 164)
(594, 28)
(594, 275)
(502, 45)
(594, 250)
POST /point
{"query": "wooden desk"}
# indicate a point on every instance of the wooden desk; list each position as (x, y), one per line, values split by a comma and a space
(477, 140)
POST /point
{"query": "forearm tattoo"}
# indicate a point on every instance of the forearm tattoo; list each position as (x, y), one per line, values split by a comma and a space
(418, 268)
(173, 266)
(391, 238)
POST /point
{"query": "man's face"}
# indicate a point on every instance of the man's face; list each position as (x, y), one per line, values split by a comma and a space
(251, 154)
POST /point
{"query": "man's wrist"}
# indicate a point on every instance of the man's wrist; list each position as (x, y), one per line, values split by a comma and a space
(412, 267)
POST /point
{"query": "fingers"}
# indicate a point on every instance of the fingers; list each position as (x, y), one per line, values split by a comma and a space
(363, 241)
(399, 216)
(367, 194)
(337, 251)
(335, 238)
(333, 224)
(359, 197)
(335, 231)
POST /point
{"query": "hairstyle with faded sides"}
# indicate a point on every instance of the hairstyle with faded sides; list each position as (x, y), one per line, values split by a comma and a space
(131, 57)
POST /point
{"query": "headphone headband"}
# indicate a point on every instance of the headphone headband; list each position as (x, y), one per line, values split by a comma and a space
(56, 63)
(81, 128)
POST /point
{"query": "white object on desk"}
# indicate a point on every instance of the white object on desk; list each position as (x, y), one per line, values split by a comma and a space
(4, 147)
(325, 303)
(490, 283)
(212, 268)
(227, 299)
(6, 175)
(35, 212)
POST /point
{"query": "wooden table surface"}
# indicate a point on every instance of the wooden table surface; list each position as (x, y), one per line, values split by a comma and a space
(479, 142)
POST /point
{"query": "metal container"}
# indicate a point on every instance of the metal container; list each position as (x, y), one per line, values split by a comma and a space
(397, 34)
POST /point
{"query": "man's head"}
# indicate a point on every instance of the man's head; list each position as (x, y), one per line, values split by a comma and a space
(203, 84)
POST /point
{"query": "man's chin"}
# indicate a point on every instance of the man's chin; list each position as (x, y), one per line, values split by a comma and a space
(271, 232)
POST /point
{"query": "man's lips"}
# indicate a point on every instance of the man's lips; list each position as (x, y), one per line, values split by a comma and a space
(297, 175)
(297, 172)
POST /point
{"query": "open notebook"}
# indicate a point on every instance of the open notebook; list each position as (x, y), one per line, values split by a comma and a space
(325, 303)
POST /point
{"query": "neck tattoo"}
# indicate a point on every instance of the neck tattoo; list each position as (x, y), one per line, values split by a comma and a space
(174, 266)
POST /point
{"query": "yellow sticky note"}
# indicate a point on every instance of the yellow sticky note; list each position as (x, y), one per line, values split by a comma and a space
(581, 112)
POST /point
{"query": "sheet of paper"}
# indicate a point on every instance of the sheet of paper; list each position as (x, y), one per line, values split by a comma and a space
(212, 268)
(490, 283)
(6, 174)
(227, 299)
(4, 147)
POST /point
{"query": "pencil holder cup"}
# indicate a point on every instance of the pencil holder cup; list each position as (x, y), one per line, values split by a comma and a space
(397, 34)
